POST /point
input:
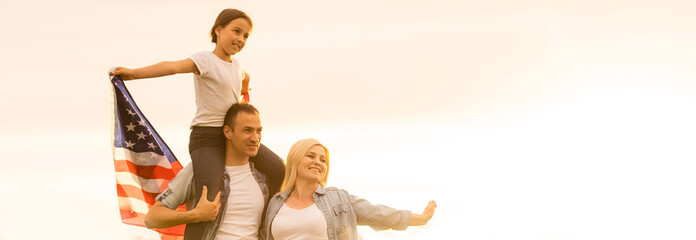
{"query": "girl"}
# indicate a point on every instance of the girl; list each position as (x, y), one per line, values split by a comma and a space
(307, 209)
(219, 81)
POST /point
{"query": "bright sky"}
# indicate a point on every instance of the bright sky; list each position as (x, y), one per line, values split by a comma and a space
(524, 119)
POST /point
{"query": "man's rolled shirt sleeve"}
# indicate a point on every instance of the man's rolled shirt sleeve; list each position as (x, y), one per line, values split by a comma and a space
(179, 190)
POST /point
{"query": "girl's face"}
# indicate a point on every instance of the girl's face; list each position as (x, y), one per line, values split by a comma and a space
(312, 166)
(232, 38)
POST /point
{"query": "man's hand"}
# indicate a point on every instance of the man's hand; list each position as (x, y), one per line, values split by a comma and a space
(161, 216)
(207, 210)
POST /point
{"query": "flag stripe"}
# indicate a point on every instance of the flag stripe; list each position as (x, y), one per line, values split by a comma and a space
(141, 159)
(133, 205)
(148, 185)
(148, 172)
(133, 218)
(170, 237)
(136, 192)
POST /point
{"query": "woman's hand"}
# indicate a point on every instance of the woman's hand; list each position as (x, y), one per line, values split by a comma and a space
(423, 218)
(429, 210)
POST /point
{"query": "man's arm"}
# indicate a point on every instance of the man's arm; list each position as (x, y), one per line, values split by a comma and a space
(161, 216)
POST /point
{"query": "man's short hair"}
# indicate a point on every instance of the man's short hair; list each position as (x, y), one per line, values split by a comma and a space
(236, 109)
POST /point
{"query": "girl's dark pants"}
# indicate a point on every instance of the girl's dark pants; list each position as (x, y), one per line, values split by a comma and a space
(207, 149)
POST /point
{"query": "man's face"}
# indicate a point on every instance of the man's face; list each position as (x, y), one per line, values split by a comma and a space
(245, 136)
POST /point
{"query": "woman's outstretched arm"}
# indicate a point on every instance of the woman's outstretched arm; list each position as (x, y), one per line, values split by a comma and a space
(381, 217)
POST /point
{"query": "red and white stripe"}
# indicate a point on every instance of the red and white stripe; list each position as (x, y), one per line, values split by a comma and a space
(140, 177)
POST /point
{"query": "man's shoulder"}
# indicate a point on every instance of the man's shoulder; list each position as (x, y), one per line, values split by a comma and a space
(185, 175)
(179, 189)
(256, 171)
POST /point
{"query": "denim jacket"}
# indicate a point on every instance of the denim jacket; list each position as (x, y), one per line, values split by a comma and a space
(343, 212)
(182, 191)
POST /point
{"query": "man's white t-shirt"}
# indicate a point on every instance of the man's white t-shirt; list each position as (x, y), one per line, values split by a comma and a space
(244, 206)
(299, 224)
(217, 87)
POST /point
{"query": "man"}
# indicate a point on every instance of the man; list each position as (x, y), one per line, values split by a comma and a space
(236, 212)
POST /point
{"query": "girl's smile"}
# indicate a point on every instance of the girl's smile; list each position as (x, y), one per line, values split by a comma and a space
(232, 38)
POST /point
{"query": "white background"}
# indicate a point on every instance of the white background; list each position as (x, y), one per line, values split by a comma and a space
(523, 119)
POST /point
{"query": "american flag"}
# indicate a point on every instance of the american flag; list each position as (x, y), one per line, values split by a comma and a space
(144, 164)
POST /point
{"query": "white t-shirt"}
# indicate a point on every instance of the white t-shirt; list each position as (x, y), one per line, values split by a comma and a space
(217, 87)
(244, 206)
(306, 224)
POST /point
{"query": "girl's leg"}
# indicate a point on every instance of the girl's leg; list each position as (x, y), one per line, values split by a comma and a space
(208, 170)
(207, 149)
(270, 164)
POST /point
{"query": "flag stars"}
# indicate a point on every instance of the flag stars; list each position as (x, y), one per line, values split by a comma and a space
(141, 122)
(140, 135)
(129, 144)
(151, 145)
(130, 112)
(131, 127)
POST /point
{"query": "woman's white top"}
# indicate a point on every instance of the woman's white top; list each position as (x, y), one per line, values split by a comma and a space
(308, 223)
(218, 85)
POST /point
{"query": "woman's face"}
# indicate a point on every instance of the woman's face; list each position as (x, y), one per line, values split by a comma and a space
(312, 166)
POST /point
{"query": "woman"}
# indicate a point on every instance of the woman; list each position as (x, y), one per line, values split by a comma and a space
(306, 209)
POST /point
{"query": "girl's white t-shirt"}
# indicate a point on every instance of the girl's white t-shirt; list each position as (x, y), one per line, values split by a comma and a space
(218, 85)
(304, 224)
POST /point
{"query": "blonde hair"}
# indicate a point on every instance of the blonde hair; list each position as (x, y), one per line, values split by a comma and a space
(296, 153)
